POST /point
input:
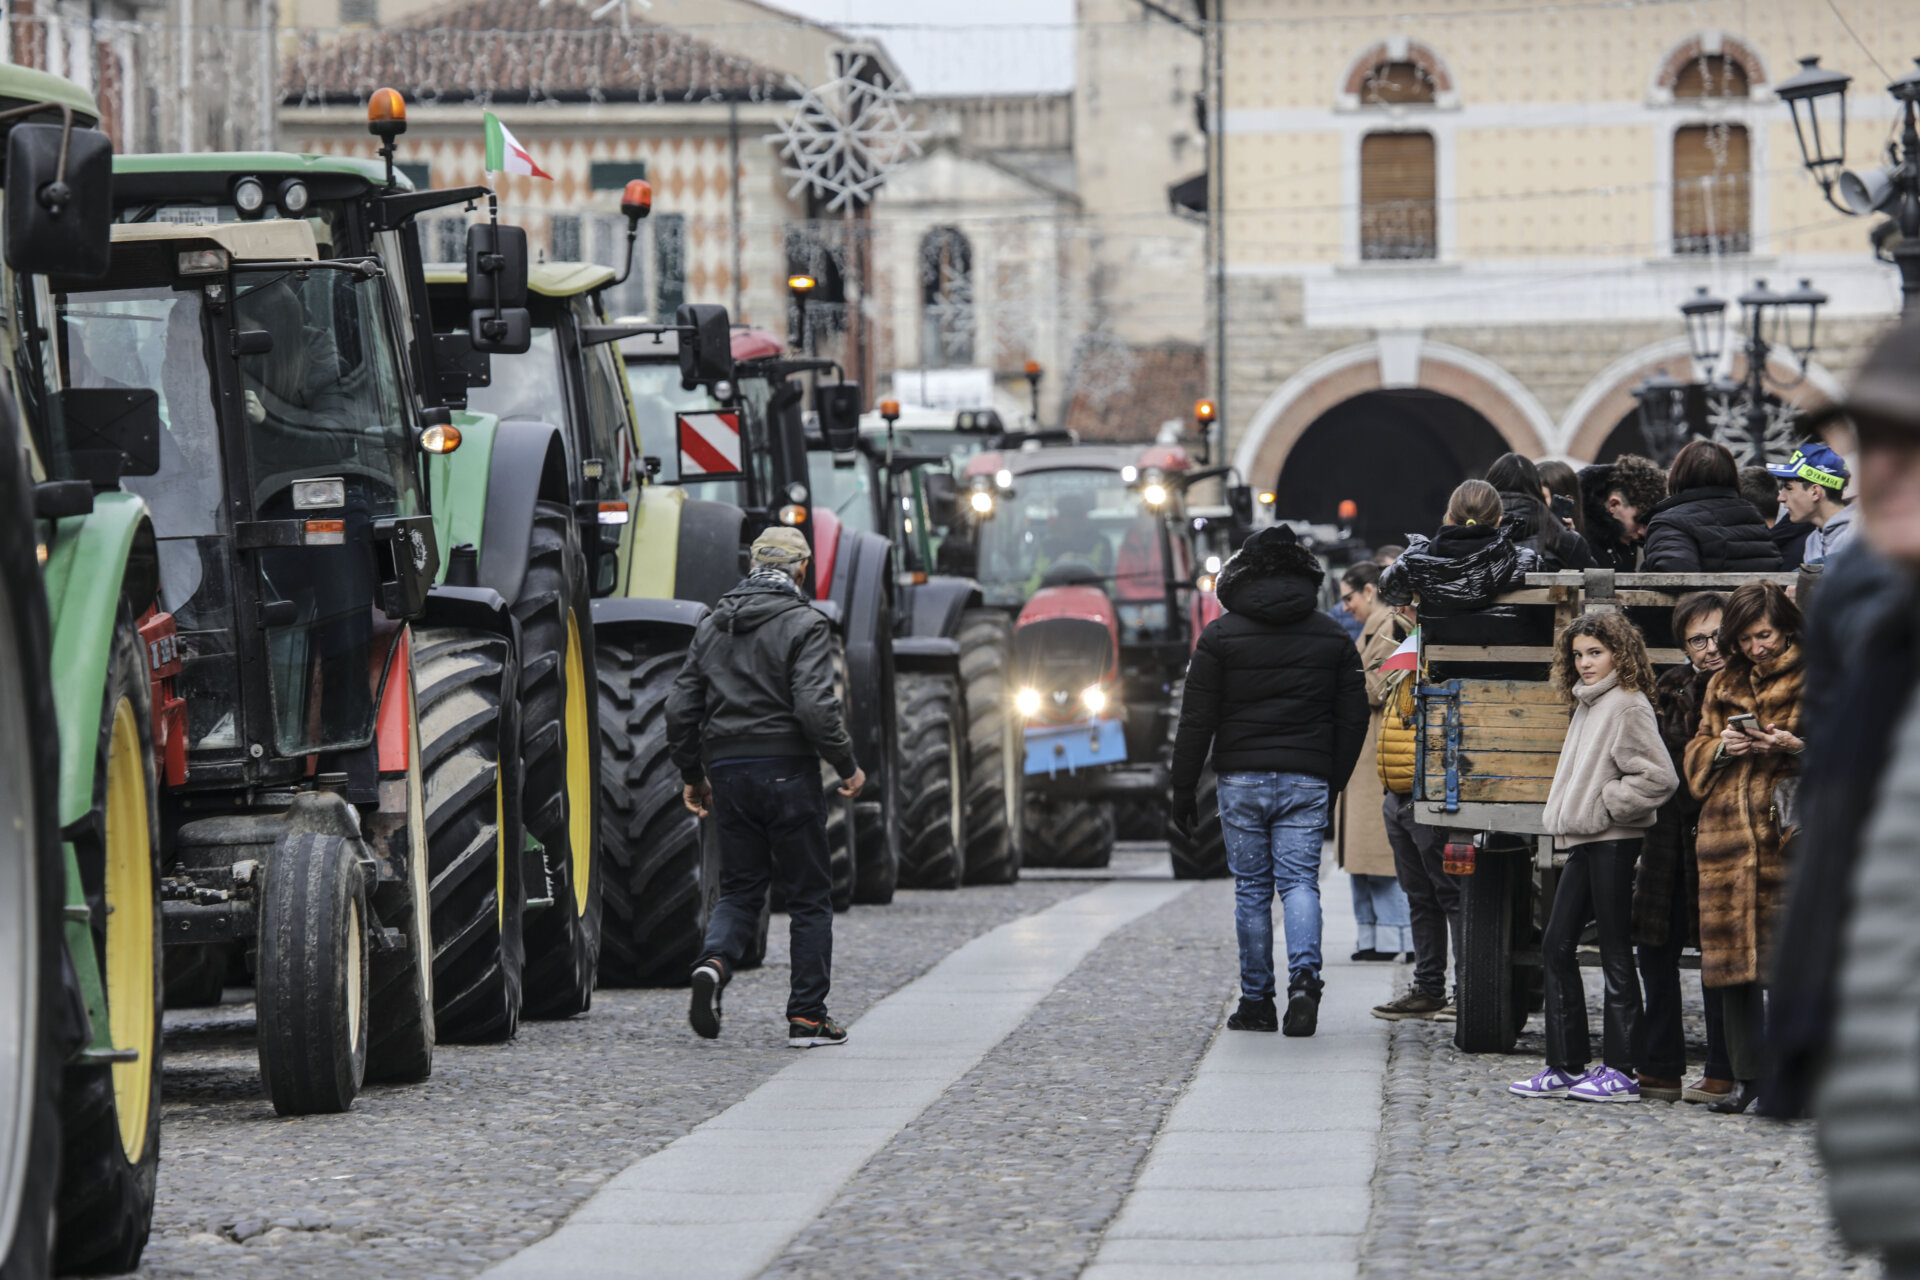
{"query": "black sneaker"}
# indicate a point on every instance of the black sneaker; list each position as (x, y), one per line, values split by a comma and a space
(1303, 1004)
(709, 976)
(1415, 1004)
(805, 1033)
(1254, 1015)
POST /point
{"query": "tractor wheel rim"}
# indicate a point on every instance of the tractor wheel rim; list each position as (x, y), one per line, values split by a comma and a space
(356, 960)
(129, 958)
(579, 746)
(19, 930)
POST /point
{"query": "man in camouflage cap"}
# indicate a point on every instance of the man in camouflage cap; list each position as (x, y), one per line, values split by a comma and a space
(751, 715)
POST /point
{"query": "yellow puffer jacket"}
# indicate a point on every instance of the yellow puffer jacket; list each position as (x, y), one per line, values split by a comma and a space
(1399, 736)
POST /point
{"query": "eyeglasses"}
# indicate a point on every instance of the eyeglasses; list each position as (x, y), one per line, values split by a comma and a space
(1698, 644)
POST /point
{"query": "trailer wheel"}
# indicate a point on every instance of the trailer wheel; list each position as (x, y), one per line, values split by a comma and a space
(466, 685)
(560, 763)
(1492, 1004)
(932, 752)
(110, 1113)
(658, 890)
(33, 879)
(400, 984)
(1201, 854)
(996, 766)
(312, 987)
(1069, 833)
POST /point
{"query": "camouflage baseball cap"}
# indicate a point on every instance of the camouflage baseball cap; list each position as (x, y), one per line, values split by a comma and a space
(780, 547)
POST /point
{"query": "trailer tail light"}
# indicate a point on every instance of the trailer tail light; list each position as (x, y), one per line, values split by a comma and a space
(325, 533)
(1457, 859)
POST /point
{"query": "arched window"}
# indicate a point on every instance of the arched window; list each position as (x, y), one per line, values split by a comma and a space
(1394, 83)
(1712, 189)
(1397, 196)
(1711, 75)
(946, 294)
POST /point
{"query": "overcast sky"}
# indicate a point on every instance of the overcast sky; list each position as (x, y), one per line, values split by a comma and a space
(981, 46)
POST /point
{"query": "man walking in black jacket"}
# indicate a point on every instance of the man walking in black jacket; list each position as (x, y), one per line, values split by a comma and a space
(1274, 691)
(751, 715)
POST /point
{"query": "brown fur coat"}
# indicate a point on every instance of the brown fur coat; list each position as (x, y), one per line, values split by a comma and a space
(1743, 871)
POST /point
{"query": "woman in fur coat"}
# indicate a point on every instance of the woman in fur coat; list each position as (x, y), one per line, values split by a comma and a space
(1748, 744)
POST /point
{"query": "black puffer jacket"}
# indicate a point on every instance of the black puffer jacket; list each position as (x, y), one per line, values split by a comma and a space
(1274, 686)
(1460, 570)
(1708, 530)
(758, 681)
(1531, 525)
(1790, 539)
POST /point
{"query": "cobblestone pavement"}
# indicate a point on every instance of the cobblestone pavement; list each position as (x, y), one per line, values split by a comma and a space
(441, 1179)
(1473, 1181)
(1019, 1167)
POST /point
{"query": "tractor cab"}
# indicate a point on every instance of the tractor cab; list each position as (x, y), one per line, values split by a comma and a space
(291, 533)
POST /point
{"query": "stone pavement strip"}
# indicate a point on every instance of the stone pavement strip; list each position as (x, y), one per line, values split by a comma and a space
(681, 1211)
(1266, 1164)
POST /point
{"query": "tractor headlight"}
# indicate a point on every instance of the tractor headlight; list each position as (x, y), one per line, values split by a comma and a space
(1027, 702)
(1206, 582)
(1003, 478)
(249, 197)
(1155, 494)
(982, 503)
(1095, 698)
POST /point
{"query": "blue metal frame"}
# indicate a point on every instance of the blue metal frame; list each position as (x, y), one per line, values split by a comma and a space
(1088, 744)
(1450, 694)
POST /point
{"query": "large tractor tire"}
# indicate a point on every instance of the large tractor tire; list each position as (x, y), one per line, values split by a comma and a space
(995, 778)
(932, 752)
(110, 1113)
(1491, 992)
(658, 889)
(313, 989)
(1068, 833)
(33, 1022)
(467, 686)
(1201, 854)
(841, 820)
(400, 1020)
(196, 975)
(560, 761)
(879, 817)
(1135, 818)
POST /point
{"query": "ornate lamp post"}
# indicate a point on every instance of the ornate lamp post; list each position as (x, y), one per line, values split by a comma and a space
(1892, 189)
(1767, 319)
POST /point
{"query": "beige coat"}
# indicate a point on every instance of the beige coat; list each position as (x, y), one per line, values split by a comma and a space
(1614, 771)
(1363, 831)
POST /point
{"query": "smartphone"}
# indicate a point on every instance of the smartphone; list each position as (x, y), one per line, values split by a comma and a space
(1563, 506)
(1749, 725)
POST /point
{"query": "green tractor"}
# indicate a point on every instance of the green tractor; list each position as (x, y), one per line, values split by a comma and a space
(79, 880)
(659, 561)
(503, 653)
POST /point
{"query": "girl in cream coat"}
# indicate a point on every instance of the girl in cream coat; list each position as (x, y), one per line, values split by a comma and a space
(1613, 775)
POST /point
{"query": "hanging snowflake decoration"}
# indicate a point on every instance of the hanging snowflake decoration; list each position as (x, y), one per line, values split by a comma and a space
(1728, 425)
(845, 137)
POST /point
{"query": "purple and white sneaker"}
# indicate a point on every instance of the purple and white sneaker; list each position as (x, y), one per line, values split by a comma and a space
(1604, 1084)
(1551, 1083)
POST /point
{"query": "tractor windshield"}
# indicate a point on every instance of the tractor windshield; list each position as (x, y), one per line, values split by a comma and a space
(1088, 516)
(847, 491)
(657, 398)
(525, 387)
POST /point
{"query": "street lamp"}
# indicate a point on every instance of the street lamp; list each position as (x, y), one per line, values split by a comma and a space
(1706, 318)
(1767, 319)
(1893, 189)
(1663, 415)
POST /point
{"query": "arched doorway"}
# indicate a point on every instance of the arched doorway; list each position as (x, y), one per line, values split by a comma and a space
(1396, 454)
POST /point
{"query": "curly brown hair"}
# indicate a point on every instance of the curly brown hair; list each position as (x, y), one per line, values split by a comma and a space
(1621, 638)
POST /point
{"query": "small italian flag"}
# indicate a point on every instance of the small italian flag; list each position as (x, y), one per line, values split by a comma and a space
(1407, 656)
(506, 155)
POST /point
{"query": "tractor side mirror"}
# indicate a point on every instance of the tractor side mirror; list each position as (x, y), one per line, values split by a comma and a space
(497, 288)
(253, 342)
(706, 344)
(1240, 502)
(838, 406)
(59, 224)
(943, 499)
(111, 431)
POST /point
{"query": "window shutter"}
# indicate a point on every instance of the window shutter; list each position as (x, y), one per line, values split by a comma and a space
(1712, 200)
(1396, 196)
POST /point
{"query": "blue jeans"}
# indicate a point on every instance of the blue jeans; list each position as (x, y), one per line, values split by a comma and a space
(1380, 912)
(1273, 824)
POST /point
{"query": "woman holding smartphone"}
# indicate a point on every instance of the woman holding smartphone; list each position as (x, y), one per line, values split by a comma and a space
(1747, 746)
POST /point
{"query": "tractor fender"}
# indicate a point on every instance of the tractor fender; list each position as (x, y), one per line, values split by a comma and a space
(937, 606)
(675, 619)
(706, 561)
(93, 562)
(528, 466)
(926, 653)
(861, 582)
(475, 608)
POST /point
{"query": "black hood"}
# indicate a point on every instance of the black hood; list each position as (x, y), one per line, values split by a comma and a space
(1526, 516)
(1272, 578)
(755, 602)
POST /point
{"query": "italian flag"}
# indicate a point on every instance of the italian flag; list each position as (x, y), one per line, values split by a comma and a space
(506, 155)
(1407, 656)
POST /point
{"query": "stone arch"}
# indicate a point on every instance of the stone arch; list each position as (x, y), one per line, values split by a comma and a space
(1707, 44)
(1398, 49)
(1474, 380)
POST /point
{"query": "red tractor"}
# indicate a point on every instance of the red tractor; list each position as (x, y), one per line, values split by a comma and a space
(1095, 549)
